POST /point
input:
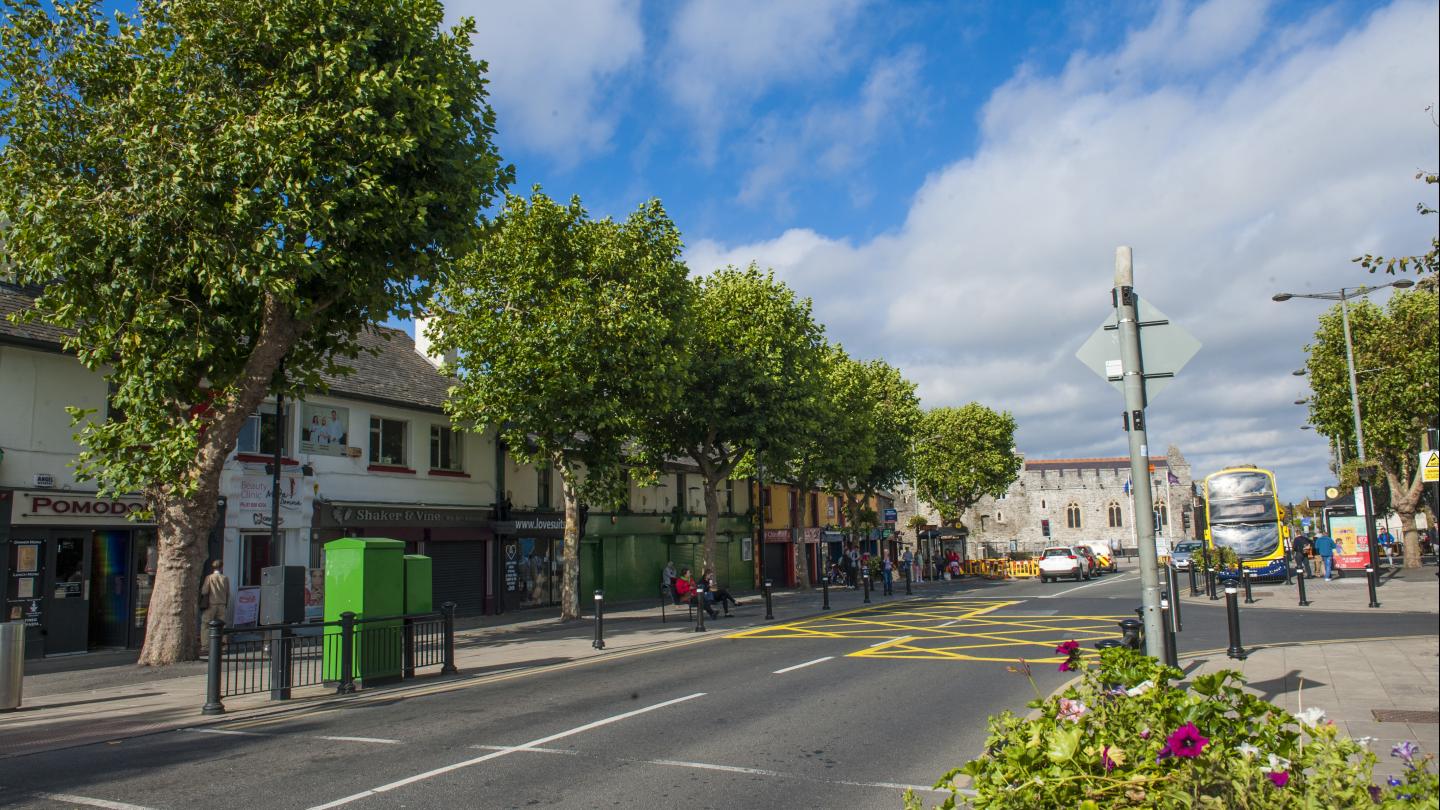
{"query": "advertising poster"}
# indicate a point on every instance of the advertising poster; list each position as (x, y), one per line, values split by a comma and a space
(324, 430)
(1352, 547)
(315, 595)
(247, 606)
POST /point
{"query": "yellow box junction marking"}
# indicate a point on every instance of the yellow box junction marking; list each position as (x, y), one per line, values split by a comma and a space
(972, 631)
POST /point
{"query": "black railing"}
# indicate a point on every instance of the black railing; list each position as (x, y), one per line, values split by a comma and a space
(278, 658)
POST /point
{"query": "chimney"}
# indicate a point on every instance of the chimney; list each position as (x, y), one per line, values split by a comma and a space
(425, 347)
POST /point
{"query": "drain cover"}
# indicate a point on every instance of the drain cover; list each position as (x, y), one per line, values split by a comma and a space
(1405, 716)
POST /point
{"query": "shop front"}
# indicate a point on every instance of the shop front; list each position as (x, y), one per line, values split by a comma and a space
(78, 572)
(531, 561)
(249, 544)
(459, 541)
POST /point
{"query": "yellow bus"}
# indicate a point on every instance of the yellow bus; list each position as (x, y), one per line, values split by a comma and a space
(1243, 513)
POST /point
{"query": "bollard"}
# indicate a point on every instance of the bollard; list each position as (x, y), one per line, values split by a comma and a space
(1370, 578)
(1194, 582)
(1171, 657)
(447, 612)
(769, 603)
(1130, 630)
(699, 610)
(347, 654)
(1105, 644)
(1287, 571)
(1232, 611)
(1247, 575)
(825, 593)
(1211, 585)
(908, 592)
(599, 642)
(1300, 583)
(212, 671)
(280, 663)
(1173, 576)
(865, 584)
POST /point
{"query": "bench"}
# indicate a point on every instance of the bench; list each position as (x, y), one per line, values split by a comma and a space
(668, 597)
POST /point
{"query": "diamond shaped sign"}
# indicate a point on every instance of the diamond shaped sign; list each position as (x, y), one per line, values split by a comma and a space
(1165, 348)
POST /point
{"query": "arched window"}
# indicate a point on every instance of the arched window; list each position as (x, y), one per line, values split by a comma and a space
(1116, 516)
(1072, 516)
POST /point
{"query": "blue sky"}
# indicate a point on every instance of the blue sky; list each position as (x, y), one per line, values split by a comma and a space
(948, 181)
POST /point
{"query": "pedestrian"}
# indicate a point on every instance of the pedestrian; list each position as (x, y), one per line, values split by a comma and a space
(908, 560)
(667, 578)
(214, 600)
(1325, 547)
(887, 573)
(714, 593)
(685, 592)
(854, 570)
(1302, 554)
(1387, 545)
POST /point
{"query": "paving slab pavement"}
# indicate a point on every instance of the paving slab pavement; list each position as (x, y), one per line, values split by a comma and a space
(1398, 591)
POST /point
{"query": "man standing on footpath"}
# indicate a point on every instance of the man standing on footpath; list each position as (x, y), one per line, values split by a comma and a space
(1325, 547)
(214, 601)
(1387, 545)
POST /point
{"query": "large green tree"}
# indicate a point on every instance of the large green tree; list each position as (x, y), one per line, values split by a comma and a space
(1397, 352)
(566, 330)
(963, 454)
(752, 354)
(207, 187)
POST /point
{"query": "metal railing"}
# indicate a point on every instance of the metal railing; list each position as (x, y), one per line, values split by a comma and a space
(278, 658)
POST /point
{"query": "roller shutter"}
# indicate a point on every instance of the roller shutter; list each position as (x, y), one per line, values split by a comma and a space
(459, 576)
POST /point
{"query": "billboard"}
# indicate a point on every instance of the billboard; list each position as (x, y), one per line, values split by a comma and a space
(1352, 546)
(324, 430)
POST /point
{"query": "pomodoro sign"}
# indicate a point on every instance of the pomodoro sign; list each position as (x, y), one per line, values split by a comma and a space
(73, 508)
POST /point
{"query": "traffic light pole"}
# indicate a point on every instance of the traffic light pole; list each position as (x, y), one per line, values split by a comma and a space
(1132, 368)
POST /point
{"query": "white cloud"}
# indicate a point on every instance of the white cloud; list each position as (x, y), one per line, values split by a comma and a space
(1237, 159)
(552, 64)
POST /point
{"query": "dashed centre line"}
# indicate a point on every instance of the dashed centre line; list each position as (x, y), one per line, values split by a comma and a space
(801, 666)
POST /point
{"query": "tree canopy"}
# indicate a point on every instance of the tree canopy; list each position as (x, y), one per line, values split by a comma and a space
(206, 187)
(963, 454)
(567, 337)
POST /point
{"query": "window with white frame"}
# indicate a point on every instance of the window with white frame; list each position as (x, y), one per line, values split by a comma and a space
(387, 441)
(445, 449)
(257, 435)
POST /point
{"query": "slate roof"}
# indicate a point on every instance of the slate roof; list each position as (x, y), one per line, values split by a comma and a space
(394, 374)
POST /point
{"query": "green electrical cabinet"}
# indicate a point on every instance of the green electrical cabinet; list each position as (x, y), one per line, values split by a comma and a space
(365, 576)
(419, 591)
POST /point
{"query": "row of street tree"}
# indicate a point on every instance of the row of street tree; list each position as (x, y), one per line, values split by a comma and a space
(213, 198)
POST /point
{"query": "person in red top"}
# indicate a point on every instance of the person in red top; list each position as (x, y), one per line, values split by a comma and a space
(685, 593)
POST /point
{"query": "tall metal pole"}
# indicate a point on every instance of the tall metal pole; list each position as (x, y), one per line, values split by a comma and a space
(1350, 366)
(1371, 569)
(275, 473)
(1133, 371)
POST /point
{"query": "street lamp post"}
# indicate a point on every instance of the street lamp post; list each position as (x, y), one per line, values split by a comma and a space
(1343, 295)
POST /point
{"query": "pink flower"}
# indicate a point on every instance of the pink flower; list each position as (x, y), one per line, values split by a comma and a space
(1145, 734)
(1106, 760)
(1068, 648)
(1185, 741)
(1278, 778)
(1071, 710)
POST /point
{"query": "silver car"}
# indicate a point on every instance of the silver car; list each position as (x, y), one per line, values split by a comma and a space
(1180, 554)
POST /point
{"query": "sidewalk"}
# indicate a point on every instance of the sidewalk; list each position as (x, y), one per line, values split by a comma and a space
(1399, 591)
(65, 705)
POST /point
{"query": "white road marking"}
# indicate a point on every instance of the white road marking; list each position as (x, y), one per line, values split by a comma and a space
(799, 666)
(88, 802)
(709, 766)
(380, 740)
(895, 640)
(566, 751)
(948, 624)
(1081, 587)
(228, 732)
(502, 752)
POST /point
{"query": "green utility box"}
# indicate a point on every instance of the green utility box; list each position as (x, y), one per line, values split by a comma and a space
(419, 596)
(365, 576)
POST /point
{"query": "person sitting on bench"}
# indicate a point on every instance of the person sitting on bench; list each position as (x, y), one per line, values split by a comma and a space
(714, 593)
(685, 594)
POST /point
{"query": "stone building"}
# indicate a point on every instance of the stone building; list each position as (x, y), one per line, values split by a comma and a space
(1081, 500)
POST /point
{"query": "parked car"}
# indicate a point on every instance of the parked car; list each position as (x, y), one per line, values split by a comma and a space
(1181, 553)
(1092, 563)
(1104, 557)
(1063, 561)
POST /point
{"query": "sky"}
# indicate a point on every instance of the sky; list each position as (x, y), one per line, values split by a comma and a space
(948, 181)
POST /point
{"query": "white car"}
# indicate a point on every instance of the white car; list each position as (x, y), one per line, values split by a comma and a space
(1063, 561)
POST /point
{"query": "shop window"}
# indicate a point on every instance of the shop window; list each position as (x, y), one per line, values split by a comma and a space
(256, 553)
(257, 435)
(1116, 516)
(445, 444)
(765, 502)
(1072, 516)
(387, 441)
(544, 476)
(729, 496)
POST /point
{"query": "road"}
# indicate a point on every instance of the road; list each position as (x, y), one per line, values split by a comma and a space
(842, 710)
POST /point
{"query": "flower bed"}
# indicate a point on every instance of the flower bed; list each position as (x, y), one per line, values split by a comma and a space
(1127, 735)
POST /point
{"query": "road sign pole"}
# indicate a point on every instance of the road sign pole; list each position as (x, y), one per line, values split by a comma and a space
(1133, 370)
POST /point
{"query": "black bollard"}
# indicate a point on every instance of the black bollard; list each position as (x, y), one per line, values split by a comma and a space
(1171, 657)
(1300, 583)
(1247, 575)
(212, 670)
(1174, 580)
(1194, 582)
(699, 610)
(1130, 633)
(1287, 571)
(1211, 585)
(825, 593)
(1232, 611)
(908, 592)
(599, 642)
(865, 584)
(769, 605)
(1370, 579)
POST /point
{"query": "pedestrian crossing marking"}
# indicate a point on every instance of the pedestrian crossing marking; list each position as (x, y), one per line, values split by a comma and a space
(957, 629)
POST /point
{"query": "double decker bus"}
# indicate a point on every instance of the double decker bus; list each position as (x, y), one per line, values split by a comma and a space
(1243, 513)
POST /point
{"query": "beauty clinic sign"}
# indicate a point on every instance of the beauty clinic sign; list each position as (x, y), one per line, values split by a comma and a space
(253, 503)
(65, 508)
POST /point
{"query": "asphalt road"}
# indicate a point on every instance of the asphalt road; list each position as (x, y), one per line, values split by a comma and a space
(843, 710)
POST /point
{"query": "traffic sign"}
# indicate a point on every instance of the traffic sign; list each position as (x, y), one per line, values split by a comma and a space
(1165, 347)
(1430, 466)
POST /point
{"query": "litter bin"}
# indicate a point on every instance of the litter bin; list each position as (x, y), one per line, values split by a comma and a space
(12, 664)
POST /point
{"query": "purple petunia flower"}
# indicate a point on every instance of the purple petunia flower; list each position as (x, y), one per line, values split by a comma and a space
(1278, 778)
(1106, 760)
(1068, 648)
(1374, 794)
(1392, 782)
(1066, 666)
(1186, 741)
(1405, 750)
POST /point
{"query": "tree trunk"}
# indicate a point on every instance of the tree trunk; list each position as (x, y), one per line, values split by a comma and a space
(797, 538)
(709, 550)
(183, 523)
(570, 586)
(1405, 501)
